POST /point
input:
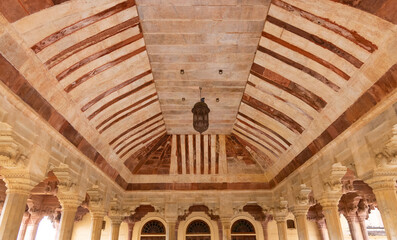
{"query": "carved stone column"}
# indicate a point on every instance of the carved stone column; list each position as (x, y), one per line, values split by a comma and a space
(322, 228)
(69, 199)
(19, 186)
(348, 207)
(362, 215)
(300, 208)
(383, 184)
(330, 200)
(386, 198)
(97, 210)
(315, 214)
(130, 230)
(115, 229)
(226, 228)
(116, 215)
(33, 225)
(24, 225)
(301, 221)
(172, 226)
(96, 224)
(18, 180)
(280, 216)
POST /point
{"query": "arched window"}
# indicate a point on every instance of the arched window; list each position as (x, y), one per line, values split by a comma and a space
(198, 230)
(243, 230)
(153, 230)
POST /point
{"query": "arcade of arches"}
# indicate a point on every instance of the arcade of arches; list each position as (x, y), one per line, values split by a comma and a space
(96, 132)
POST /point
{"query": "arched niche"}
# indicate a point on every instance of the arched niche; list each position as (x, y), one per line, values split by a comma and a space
(151, 216)
(247, 217)
(213, 226)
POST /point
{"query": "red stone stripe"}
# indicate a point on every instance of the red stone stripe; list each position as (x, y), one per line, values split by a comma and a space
(312, 57)
(148, 139)
(80, 25)
(162, 141)
(290, 87)
(26, 92)
(197, 186)
(330, 25)
(97, 55)
(273, 113)
(102, 68)
(265, 127)
(146, 127)
(317, 40)
(134, 127)
(127, 94)
(137, 137)
(380, 90)
(261, 133)
(125, 109)
(296, 65)
(385, 9)
(259, 137)
(114, 89)
(91, 41)
(128, 114)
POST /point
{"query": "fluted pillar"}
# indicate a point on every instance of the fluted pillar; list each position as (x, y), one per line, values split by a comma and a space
(18, 189)
(386, 198)
(361, 217)
(301, 221)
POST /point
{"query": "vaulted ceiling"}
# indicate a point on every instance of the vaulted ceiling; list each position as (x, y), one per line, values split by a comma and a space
(106, 75)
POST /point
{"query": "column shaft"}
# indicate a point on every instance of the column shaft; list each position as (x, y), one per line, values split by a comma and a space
(66, 224)
(130, 230)
(115, 230)
(24, 225)
(322, 228)
(301, 225)
(264, 227)
(31, 231)
(171, 233)
(333, 222)
(96, 227)
(354, 229)
(387, 204)
(282, 230)
(11, 215)
(363, 228)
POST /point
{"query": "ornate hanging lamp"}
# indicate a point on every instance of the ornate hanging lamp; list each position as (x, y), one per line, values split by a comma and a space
(200, 115)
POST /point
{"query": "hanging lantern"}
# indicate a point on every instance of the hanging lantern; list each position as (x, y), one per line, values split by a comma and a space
(200, 116)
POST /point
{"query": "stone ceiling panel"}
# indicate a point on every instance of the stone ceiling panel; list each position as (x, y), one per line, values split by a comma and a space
(201, 37)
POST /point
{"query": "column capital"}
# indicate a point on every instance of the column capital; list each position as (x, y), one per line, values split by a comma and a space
(383, 180)
(96, 204)
(280, 212)
(300, 210)
(330, 200)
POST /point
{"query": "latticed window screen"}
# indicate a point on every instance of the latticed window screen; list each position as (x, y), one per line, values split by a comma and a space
(153, 230)
(198, 230)
(243, 230)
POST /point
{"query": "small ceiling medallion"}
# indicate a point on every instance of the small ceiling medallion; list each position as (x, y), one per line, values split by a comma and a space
(220, 71)
(200, 115)
(182, 72)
